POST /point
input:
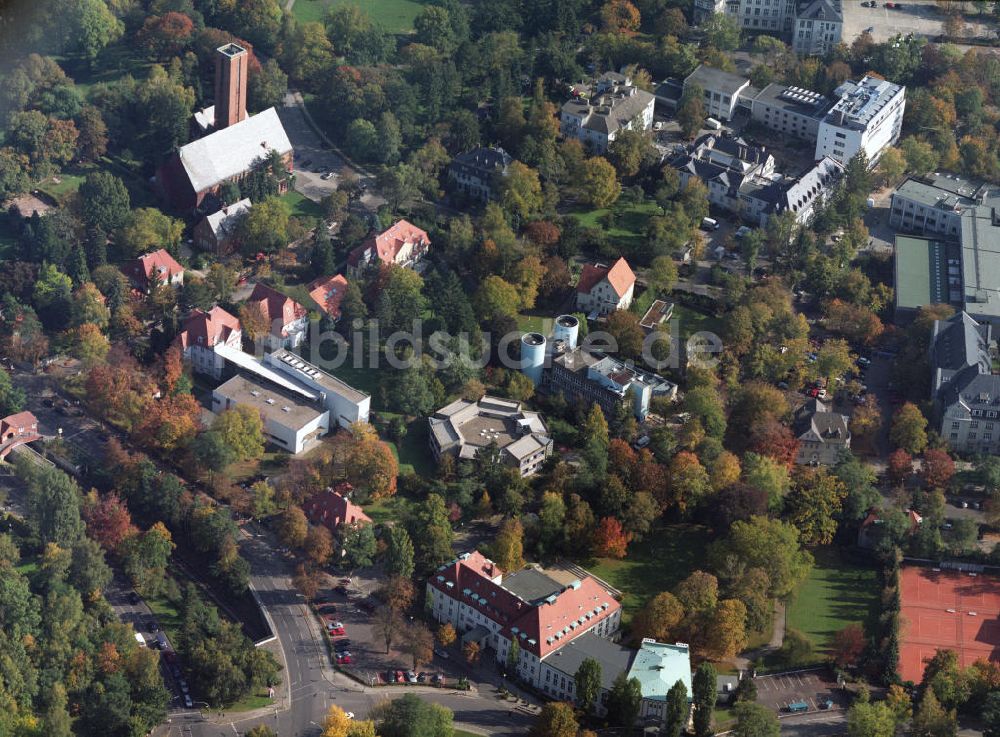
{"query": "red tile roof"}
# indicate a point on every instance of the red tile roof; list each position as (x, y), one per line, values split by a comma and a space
(276, 306)
(328, 292)
(620, 276)
(333, 508)
(211, 327)
(389, 243)
(158, 266)
(539, 627)
(16, 421)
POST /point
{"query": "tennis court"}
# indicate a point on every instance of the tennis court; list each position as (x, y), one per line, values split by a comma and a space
(947, 610)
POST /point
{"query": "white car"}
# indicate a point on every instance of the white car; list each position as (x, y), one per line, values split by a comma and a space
(349, 714)
(328, 175)
(188, 702)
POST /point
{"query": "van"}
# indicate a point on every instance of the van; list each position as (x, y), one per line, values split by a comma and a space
(713, 124)
(140, 639)
(709, 224)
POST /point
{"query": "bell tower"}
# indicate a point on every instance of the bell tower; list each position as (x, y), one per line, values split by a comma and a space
(231, 62)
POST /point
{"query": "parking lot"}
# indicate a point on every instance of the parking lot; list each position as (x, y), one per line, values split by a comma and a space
(919, 17)
(813, 687)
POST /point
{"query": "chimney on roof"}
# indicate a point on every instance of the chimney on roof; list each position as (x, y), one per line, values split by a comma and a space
(231, 66)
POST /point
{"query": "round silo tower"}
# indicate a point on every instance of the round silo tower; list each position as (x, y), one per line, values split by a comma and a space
(533, 356)
(567, 329)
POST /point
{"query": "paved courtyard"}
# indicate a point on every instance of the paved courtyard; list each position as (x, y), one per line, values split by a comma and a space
(812, 686)
(920, 17)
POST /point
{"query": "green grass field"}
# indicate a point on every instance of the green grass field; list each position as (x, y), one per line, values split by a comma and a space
(629, 230)
(691, 321)
(301, 206)
(395, 16)
(666, 556)
(836, 594)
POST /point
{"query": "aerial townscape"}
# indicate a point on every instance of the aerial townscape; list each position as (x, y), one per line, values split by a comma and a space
(516, 368)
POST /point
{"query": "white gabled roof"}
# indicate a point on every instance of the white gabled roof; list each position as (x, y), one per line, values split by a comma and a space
(231, 151)
(223, 220)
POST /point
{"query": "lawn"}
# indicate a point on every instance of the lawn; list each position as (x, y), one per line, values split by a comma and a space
(629, 228)
(63, 185)
(166, 614)
(301, 206)
(690, 321)
(836, 594)
(666, 556)
(533, 323)
(250, 702)
(395, 16)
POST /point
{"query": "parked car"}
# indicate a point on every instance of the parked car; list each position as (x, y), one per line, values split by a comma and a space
(411, 677)
(328, 175)
(183, 686)
(336, 631)
(864, 362)
(826, 704)
(438, 678)
(441, 653)
(400, 676)
(342, 646)
(187, 701)
(344, 658)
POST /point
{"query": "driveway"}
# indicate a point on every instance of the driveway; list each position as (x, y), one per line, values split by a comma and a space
(314, 159)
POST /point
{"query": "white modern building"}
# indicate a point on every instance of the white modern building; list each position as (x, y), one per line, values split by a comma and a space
(345, 404)
(291, 421)
(598, 115)
(867, 116)
(721, 90)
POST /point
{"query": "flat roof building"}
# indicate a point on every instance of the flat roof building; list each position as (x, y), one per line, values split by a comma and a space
(721, 90)
(464, 428)
(867, 116)
(346, 404)
(927, 272)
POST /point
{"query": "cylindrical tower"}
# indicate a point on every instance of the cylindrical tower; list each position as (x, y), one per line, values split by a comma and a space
(567, 329)
(533, 356)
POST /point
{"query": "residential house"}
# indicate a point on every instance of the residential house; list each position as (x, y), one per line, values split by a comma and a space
(966, 392)
(286, 318)
(216, 233)
(870, 530)
(333, 508)
(328, 292)
(603, 289)
(599, 115)
(476, 174)
(203, 333)
(237, 144)
(17, 429)
(154, 270)
(404, 244)
(464, 428)
(823, 435)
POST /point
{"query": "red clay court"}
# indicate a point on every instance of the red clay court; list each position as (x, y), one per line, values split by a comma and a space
(947, 610)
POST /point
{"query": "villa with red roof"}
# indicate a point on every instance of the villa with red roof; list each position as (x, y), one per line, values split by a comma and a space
(333, 508)
(202, 332)
(328, 292)
(541, 609)
(287, 318)
(153, 270)
(602, 289)
(17, 429)
(404, 244)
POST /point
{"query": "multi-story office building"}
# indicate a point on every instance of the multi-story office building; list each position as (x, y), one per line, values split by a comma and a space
(867, 116)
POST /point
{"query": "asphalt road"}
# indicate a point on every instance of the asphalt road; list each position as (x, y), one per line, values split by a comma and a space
(815, 725)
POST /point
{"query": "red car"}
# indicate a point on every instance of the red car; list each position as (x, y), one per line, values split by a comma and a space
(344, 659)
(337, 631)
(400, 677)
(814, 392)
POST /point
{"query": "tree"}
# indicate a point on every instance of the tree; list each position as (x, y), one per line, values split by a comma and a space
(921, 157)
(470, 651)
(727, 634)
(620, 16)
(146, 556)
(434, 543)
(387, 624)
(771, 545)
(147, 230)
(598, 184)
(900, 467)
(624, 701)
(676, 717)
(508, 546)
(556, 719)
(630, 152)
(521, 191)
(496, 297)
(722, 32)
(262, 730)
(53, 503)
(991, 715)
(318, 545)
(588, 684)
(165, 36)
(814, 504)
(659, 618)
(833, 360)
(755, 720)
(909, 429)
(433, 28)
(265, 227)
(359, 544)
(689, 482)
(56, 720)
(699, 592)
(848, 645)
(937, 468)
(446, 634)
(293, 527)
(610, 540)
(624, 328)
(892, 165)
(91, 26)
(703, 688)
(12, 398)
(89, 344)
(662, 275)
(419, 644)
(691, 110)
(411, 717)
(931, 719)
(398, 559)
(242, 430)
(108, 520)
(106, 202)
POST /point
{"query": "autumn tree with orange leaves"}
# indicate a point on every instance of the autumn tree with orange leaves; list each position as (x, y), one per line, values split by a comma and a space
(610, 540)
(620, 16)
(108, 519)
